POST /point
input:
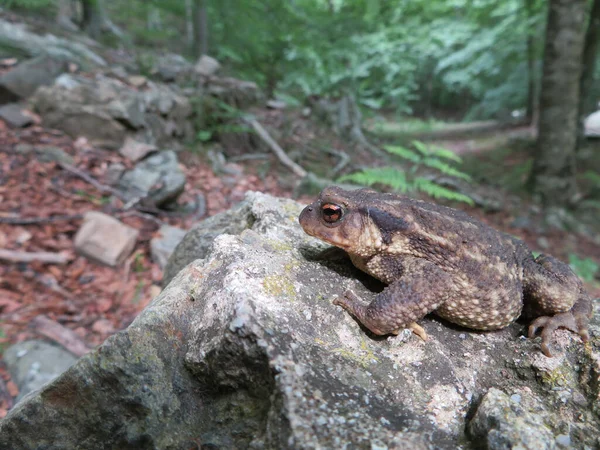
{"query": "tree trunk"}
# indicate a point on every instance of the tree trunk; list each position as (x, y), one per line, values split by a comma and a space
(553, 174)
(588, 103)
(201, 25)
(532, 112)
(93, 17)
(189, 25)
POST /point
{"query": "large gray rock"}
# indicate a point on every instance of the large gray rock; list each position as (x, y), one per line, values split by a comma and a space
(106, 111)
(23, 80)
(244, 349)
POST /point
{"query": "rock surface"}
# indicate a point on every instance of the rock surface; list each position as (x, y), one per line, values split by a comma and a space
(107, 111)
(104, 239)
(32, 364)
(243, 349)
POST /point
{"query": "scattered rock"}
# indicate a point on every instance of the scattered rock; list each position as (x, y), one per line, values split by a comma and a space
(543, 242)
(45, 153)
(53, 154)
(135, 150)
(591, 125)
(244, 349)
(114, 172)
(104, 239)
(22, 81)
(276, 104)
(163, 245)
(16, 37)
(207, 66)
(103, 327)
(107, 111)
(13, 115)
(237, 93)
(32, 364)
(171, 67)
(137, 81)
(157, 178)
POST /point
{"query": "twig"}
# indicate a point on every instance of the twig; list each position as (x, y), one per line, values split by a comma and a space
(45, 257)
(143, 215)
(39, 220)
(274, 146)
(60, 334)
(88, 178)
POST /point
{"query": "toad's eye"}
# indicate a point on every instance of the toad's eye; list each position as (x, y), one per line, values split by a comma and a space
(331, 213)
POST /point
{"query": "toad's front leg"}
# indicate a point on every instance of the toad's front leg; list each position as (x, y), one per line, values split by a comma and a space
(421, 289)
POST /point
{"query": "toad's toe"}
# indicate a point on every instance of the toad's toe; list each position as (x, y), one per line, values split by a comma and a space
(548, 324)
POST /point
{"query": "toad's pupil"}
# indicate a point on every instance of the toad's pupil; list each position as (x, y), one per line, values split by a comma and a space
(331, 213)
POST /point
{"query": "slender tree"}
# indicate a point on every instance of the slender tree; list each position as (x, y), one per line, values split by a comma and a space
(588, 103)
(201, 26)
(553, 174)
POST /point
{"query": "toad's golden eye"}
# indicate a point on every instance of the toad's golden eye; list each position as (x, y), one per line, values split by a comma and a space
(331, 213)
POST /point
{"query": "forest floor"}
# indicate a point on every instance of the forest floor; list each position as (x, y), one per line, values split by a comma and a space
(95, 301)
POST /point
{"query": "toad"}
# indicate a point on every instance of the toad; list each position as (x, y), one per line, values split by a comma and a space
(441, 260)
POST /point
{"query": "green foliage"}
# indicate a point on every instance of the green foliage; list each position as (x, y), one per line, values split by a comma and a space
(585, 268)
(27, 4)
(434, 157)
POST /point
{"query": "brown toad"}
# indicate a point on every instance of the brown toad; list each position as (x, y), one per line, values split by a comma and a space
(438, 259)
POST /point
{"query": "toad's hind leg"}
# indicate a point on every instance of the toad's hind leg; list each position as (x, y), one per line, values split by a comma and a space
(419, 292)
(555, 294)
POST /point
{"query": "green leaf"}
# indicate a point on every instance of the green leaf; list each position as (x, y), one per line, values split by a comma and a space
(445, 168)
(403, 152)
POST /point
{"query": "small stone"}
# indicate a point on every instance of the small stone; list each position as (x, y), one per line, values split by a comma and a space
(34, 363)
(563, 440)
(207, 66)
(13, 115)
(114, 172)
(276, 104)
(137, 81)
(53, 154)
(135, 151)
(103, 326)
(515, 398)
(104, 239)
(164, 244)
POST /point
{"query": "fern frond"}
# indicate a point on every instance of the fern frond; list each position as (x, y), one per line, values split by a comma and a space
(444, 153)
(446, 168)
(421, 147)
(382, 175)
(436, 191)
(403, 152)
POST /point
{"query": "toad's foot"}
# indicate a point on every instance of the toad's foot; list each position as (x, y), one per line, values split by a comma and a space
(577, 323)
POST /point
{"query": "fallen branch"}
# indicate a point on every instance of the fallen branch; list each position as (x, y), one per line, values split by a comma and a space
(60, 334)
(27, 257)
(274, 146)
(91, 180)
(39, 220)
